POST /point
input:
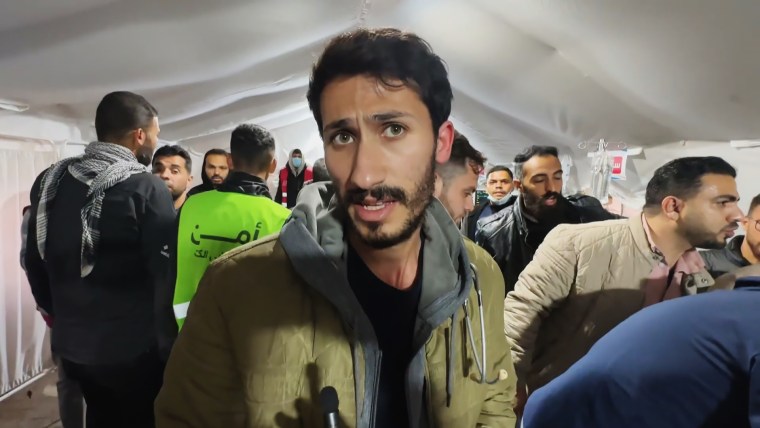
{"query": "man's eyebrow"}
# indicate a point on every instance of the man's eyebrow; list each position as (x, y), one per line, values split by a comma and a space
(337, 124)
(386, 116)
(376, 117)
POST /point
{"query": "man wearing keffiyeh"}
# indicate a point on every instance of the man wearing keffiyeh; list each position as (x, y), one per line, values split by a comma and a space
(97, 261)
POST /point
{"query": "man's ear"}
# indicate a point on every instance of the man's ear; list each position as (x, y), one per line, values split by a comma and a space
(517, 184)
(140, 137)
(438, 185)
(671, 207)
(444, 142)
(273, 166)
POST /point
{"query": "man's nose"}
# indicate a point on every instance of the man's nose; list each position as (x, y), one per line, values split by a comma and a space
(369, 169)
(736, 215)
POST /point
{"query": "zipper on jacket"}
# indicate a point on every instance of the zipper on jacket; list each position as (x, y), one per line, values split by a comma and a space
(375, 389)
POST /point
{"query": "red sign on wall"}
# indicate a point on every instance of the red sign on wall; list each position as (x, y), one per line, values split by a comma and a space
(617, 165)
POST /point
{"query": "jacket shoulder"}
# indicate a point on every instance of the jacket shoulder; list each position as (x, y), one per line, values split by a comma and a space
(489, 274)
(251, 269)
(249, 252)
(581, 235)
(495, 222)
(590, 208)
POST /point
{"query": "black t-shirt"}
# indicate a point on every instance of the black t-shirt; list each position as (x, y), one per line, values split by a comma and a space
(392, 313)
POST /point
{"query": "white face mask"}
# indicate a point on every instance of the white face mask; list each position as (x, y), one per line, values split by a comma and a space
(499, 202)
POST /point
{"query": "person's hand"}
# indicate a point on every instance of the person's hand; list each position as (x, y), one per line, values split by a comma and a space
(46, 316)
(48, 320)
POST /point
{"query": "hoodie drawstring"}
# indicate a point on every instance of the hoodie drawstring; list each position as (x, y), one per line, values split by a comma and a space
(450, 361)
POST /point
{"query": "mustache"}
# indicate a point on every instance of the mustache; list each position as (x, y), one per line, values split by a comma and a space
(555, 195)
(357, 196)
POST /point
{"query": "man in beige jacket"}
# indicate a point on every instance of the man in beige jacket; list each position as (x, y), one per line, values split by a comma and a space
(587, 278)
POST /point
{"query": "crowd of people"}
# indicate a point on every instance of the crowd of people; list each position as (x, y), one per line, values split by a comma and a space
(375, 272)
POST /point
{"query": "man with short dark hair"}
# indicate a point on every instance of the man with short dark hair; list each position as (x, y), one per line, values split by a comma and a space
(369, 288)
(97, 263)
(457, 179)
(587, 278)
(237, 212)
(292, 178)
(174, 165)
(741, 251)
(499, 187)
(215, 169)
(513, 235)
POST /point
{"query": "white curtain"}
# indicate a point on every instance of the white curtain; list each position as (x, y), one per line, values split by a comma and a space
(24, 342)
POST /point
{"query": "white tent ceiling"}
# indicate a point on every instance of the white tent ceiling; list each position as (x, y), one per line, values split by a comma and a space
(524, 71)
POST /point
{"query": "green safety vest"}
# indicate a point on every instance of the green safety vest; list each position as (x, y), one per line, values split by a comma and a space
(212, 223)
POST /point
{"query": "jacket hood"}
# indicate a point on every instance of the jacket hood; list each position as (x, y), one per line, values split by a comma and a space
(242, 182)
(444, 253)
(292, 167)
(314, 240)
(204, 179)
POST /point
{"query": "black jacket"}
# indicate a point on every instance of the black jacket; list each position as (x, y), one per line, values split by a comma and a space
(295, 184)
(242, 182)
(120, 310)
(505, 234)
(725, 260)
(203, 187)
(470, 226)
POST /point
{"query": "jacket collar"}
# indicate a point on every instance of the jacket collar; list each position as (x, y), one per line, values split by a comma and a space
(640, 238)
(733, 251)
(692, 284)
(242, 182)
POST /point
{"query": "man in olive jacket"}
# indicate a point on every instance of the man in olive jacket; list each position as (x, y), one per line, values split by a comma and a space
(369, 288)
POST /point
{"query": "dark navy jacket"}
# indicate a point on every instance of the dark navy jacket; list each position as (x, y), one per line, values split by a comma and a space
(684, 363)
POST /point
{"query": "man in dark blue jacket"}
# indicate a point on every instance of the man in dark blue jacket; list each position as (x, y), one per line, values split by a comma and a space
(683, 363)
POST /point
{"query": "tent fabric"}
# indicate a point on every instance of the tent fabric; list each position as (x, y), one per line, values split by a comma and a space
(25, 352)
(551, 71)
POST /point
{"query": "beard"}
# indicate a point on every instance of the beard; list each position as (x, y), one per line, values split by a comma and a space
(176, 194)
(416, 202)
(536, 206)
(144, 155)
(698, 236)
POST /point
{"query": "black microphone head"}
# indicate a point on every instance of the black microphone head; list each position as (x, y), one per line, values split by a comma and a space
(328, 399)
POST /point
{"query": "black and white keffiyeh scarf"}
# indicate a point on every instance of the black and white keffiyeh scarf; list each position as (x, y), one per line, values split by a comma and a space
(102, 166)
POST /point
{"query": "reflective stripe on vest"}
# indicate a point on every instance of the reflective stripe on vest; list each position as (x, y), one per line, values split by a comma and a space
(212, 223)
(308, 176)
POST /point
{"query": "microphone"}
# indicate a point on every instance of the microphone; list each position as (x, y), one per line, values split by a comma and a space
(328, 399)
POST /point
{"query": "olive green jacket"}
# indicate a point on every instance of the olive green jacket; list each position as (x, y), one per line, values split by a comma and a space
(275, 321)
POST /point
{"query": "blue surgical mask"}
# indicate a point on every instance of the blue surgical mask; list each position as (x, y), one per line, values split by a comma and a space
(297, 162)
